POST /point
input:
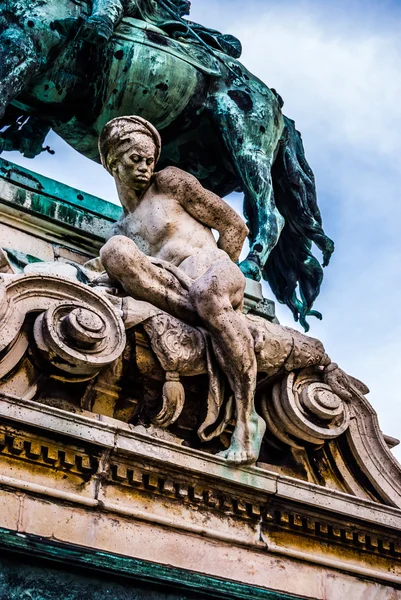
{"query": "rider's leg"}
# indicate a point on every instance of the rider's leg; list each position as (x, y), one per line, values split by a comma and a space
(215, 296)
(251, 129)
(143, 280)
(18, 64)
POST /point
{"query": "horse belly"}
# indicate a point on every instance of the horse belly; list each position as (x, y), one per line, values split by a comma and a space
(148, 82)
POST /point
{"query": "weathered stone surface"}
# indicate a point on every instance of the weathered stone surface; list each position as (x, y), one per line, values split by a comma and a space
(73, 355)
(51, 213)
(115, 490)
(25, 243)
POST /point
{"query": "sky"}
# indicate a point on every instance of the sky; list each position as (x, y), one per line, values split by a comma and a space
(337, 64)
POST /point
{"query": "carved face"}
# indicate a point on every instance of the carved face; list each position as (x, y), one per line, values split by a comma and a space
(135, 166)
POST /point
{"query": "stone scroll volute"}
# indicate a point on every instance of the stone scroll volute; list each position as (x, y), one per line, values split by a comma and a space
(303, 409)
(66, 327)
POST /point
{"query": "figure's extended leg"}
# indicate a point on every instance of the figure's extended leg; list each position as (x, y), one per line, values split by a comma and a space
(215, 296)
(18, 64)
(251, 127)
(142, 280)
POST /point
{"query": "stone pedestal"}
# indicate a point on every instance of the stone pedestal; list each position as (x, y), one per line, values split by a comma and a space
(88, 490)
(94, 506)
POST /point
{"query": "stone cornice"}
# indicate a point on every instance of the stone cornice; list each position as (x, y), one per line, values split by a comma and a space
(34, 182)
(53, 211)
(91, 462)
(128, 442)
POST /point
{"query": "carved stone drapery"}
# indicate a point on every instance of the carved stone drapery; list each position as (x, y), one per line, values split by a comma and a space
(76, 332)
(302, 407)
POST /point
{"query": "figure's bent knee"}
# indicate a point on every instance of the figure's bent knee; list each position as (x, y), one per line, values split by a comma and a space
(219, 291)
(207, 303)
(111, 248)
(117, 252)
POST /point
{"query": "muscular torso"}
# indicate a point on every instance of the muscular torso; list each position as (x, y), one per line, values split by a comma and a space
(162, 228)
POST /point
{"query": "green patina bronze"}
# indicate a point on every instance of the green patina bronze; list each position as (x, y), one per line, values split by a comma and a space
(73, 65)
(59, 192)
(99, 576)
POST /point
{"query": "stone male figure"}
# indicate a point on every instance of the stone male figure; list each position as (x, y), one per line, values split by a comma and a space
(163, 251)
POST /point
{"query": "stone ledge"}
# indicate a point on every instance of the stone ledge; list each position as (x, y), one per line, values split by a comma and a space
(283, 569)
(34, 182)
(58, 464)
(51, 219)
(53, 211)
(128, 441)
(181, 493)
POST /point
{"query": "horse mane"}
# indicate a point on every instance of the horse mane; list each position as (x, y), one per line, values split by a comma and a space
(291, 266)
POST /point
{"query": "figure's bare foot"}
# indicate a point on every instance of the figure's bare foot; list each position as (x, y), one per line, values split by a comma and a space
(245, 442)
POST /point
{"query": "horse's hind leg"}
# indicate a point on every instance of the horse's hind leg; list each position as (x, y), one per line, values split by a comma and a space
(18, 64)
(251, 135)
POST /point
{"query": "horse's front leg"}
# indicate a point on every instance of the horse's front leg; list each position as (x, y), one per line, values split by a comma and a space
(28, 140)
(251, 130)
(18, 64)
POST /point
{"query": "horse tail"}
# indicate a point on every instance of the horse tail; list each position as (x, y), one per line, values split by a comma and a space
(291, 266)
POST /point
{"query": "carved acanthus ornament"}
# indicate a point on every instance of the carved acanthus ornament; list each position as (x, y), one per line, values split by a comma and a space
(75, 332)
(58, 330)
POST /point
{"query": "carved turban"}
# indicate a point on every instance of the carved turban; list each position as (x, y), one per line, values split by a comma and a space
(120, 131)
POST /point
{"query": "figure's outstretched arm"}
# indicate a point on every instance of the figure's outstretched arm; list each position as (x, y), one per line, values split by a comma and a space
(209, 209)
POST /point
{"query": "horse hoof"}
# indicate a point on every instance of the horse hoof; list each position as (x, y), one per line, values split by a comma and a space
(251, 270)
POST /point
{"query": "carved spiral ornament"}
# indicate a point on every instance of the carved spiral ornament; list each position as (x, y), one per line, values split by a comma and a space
(76, 340)
(77, 330)
(303, 409)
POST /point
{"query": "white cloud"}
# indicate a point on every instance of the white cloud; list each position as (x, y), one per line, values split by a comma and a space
(341, 79)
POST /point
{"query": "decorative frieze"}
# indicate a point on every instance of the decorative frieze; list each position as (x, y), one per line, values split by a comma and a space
(194, 493)
(50, 454)
(332, 532)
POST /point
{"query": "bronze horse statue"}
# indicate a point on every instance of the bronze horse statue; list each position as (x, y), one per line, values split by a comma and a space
(217, 120)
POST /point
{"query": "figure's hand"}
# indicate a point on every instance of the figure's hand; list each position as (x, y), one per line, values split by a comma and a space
(251, 269)
(259, 335)
(97, 30)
